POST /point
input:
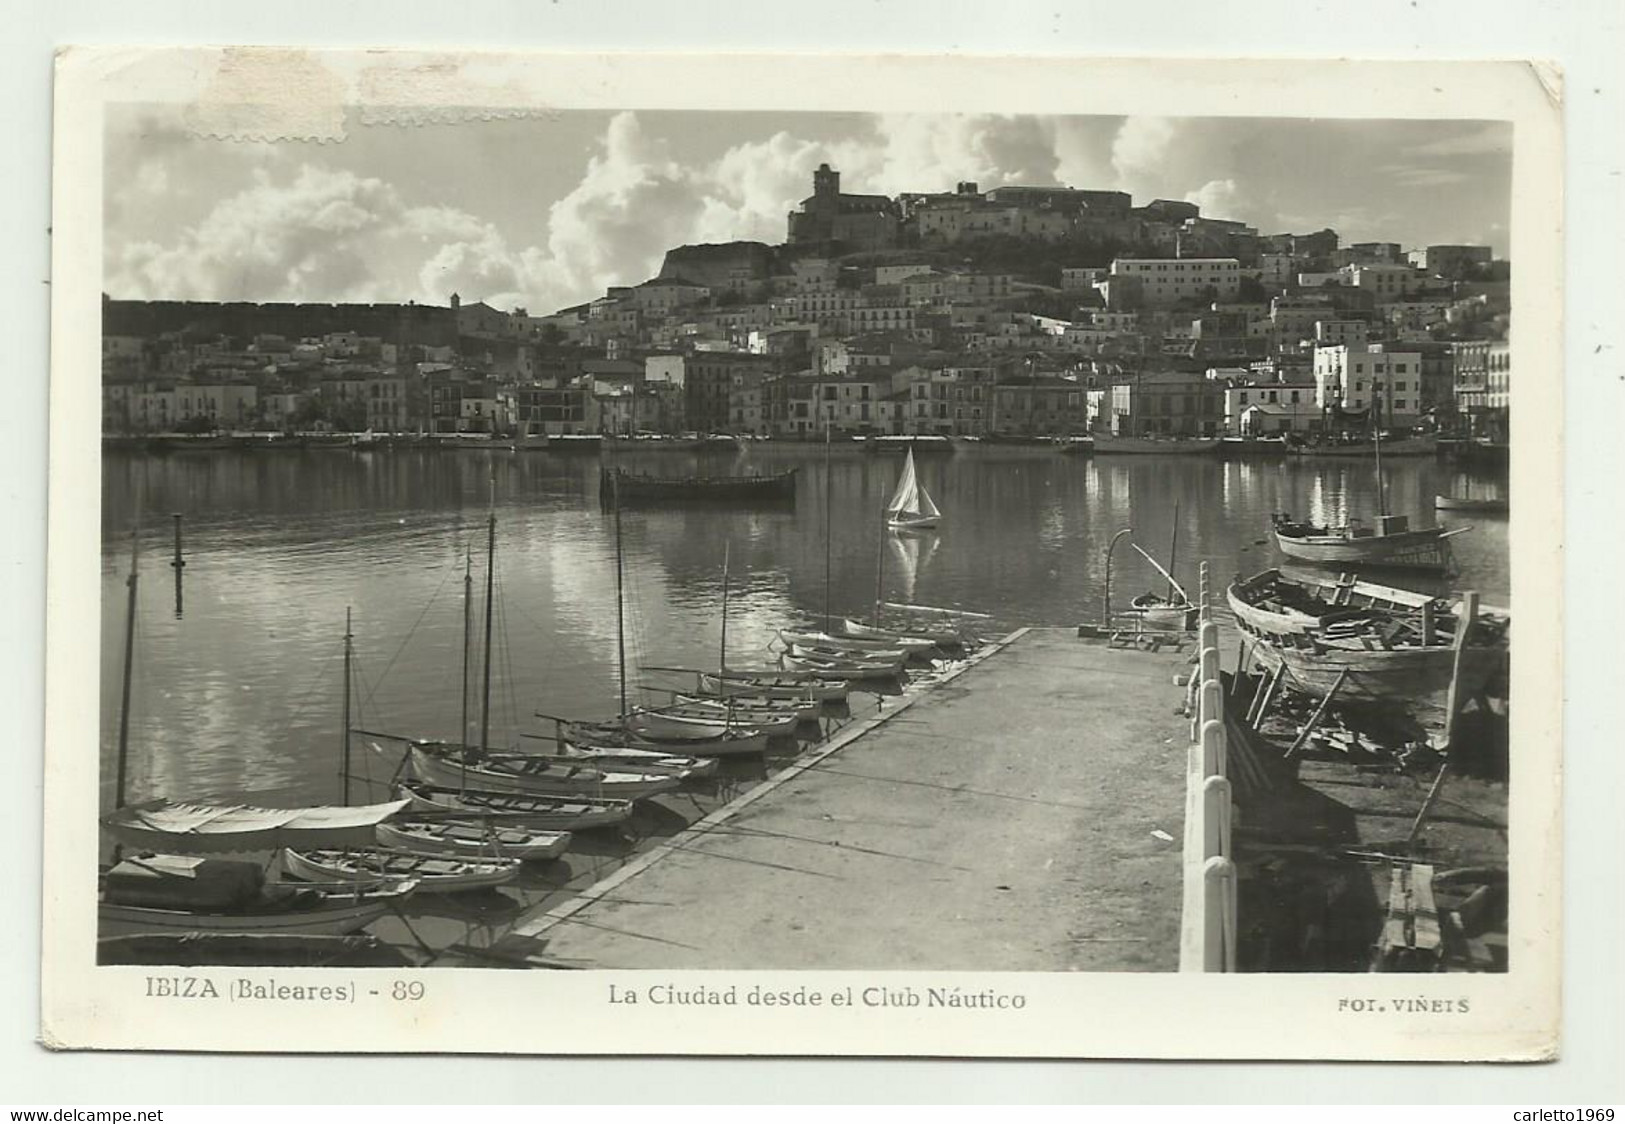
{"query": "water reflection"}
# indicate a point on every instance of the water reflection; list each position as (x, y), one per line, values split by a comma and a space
(243, 691)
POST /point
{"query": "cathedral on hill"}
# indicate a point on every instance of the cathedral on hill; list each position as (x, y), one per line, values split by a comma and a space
(829, 217)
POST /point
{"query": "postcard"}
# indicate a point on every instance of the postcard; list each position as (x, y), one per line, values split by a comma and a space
(936, 556)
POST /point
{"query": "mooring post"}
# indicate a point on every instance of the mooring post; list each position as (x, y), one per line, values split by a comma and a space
(179, 561)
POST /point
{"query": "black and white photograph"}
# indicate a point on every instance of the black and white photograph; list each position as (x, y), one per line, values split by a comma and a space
(811, 562)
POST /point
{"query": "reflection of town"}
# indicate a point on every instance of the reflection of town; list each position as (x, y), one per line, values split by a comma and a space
(1016, 312)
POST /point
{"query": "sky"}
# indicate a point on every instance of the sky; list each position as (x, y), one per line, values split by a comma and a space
(547, 210)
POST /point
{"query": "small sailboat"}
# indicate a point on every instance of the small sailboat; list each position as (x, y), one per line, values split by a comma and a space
(911, 506)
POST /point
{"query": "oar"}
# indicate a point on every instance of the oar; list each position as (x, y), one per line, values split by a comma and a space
(1177, 587)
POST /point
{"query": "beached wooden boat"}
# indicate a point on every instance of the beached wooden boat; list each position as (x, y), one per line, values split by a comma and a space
(555, 813)
(452, 766)
(1466, 504)
(1107, 444)
(160, 893)
(1387, 645)
(637, 487)
(473, 838)
(434, 874)
(1392, 543)
(911, 506)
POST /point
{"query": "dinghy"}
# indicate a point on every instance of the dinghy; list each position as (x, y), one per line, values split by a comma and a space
(473, 839)
(554, 813)
(774, 683)
(149, 893)
(909, 645)
(435, 874)
(452, 766)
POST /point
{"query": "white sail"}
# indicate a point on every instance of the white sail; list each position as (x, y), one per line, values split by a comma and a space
(911, 501)
(905, 498)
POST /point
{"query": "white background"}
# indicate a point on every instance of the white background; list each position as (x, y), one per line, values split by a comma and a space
(1583, 36)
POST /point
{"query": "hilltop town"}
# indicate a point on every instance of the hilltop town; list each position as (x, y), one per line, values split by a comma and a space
(1019, 312)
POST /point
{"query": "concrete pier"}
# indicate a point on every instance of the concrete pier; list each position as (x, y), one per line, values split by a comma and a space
(1023, 814)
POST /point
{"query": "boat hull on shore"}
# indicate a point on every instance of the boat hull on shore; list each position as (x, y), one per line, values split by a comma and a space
(1373, 638)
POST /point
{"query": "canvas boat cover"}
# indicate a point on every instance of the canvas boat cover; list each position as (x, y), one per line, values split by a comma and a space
(213, 829)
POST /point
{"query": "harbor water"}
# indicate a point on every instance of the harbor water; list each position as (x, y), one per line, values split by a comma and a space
(237, 682)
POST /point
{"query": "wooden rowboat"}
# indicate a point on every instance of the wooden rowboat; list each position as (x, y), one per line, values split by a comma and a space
(858, 645)
(1387, 645)
(453, 767)
(896, 637)
(774, 683)
(149, 893)
(849, 669)
(473, 839)
(1391, 544)
(435, 874)
(557, 813)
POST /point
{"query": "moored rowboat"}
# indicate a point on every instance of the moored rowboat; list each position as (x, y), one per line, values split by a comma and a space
(444, 765)
(557, 813)
(435, 874)
(473, 839)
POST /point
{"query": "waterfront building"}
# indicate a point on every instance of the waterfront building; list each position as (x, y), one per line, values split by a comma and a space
(1275, 408)
(1357, 379)
(1162, 403)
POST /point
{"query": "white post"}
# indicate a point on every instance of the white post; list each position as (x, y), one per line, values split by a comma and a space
(1216, 818)
(1213, 749)
(1219, 915)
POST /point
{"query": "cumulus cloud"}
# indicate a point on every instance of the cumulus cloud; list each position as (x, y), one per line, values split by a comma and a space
(296, 223)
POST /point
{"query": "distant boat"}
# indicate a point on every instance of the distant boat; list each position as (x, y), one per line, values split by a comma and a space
(911, 506)
(1400, 447)
(1107, 443)
(634, 487)
(1391, 543)
(1462, 503)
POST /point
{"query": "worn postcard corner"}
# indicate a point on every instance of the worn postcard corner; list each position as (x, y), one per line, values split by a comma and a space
(782, 555)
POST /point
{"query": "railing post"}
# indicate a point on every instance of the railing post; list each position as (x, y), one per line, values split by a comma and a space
(1216, 817)
(1213, 749)
(1219, 915)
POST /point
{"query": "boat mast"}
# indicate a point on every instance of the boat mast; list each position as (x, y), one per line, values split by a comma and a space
(829, 507)
(722, 652)
(490, 581)
(349, 649)
(129, 667)
(1382, 499)
(880, 565)
(620, 598)
(1173, 548)
(468, 629)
